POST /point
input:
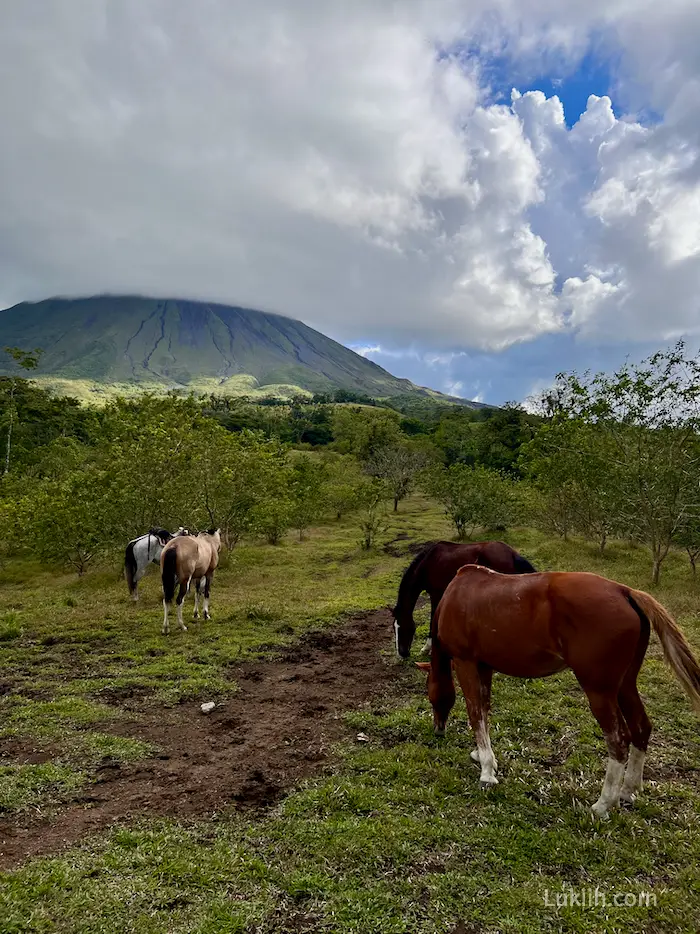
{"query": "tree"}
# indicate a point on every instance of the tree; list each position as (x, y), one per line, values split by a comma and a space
(372, 497)
(343, 483)
(67, 520)
(688, 536)
(398, 464)
(645, 422)
(28, 360)
(307, 482)
(472, 496)
(272, 517)
(233, 474)
(363, 431)
(570, 462)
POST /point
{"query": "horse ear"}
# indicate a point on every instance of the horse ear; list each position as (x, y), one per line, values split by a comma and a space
(424, 666)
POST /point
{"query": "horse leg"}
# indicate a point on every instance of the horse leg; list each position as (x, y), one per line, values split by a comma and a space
(166, 622)
(135, 591)
(429, 641)
(486, 679)
(605, 709)
(207, 590)
(182, 593)
(637, 721)
(441, 687)
(640, 730)
(197, 590)
(475, 681)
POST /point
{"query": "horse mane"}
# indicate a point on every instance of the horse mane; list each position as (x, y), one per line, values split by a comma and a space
(163, 534)
(522, 565)
(412, 569)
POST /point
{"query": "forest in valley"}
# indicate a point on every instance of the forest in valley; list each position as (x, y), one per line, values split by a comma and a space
(599, 456)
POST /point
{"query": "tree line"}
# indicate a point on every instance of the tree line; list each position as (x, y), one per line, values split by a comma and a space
(599, 456)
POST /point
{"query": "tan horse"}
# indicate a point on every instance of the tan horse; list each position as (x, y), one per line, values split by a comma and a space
(184, 559)
(533, 625)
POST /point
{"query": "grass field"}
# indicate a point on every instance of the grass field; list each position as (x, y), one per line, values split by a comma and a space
(396, 835)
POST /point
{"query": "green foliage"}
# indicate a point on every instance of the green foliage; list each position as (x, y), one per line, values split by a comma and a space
(625, 449)
(272, 517)
(372, 498)
(398, 464)
(363, 432)
(307, 493)
(473, 497)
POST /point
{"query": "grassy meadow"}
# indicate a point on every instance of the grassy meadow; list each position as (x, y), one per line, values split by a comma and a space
(397, 837)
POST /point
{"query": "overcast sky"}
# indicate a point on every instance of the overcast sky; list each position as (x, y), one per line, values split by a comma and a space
(473, 194)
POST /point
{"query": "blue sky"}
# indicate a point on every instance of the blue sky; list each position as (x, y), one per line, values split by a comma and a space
(321, 161)
(513, 374)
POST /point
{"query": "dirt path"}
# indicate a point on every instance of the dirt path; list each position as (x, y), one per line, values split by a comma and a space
(248, 752)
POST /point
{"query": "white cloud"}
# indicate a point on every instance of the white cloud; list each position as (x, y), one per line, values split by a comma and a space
(322, 160)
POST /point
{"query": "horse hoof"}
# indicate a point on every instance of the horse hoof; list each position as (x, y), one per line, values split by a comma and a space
(628, 801)
(487, 786)
(600, 811)
(195, 616)
(439, 731)
(207, 616)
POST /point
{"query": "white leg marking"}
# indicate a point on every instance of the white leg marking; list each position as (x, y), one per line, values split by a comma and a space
(610, 794)
(166, 625)
(207, 614)
(633, 775)
(396, 635)
(475, 757)
(486, 756)
(179, 618)
(428, 647)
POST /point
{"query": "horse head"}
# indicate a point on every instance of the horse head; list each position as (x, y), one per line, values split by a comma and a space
(441, 692)
(404, 630)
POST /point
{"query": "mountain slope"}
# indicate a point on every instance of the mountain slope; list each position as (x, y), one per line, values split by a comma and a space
(175, 343)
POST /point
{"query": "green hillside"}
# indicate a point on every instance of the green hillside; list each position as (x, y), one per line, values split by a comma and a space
(168, 343)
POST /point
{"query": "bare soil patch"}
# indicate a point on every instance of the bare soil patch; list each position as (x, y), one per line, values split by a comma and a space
(246, 753)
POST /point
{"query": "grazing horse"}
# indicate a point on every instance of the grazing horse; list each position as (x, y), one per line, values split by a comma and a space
(142, 551)
(184, 559)
(432, 570)
(534, 625)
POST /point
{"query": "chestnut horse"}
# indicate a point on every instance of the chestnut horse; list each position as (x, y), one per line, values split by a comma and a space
(531, 626)
(432, 570)
(184, 559)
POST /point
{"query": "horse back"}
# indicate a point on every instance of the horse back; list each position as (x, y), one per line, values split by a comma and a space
(446, 558)
(186, 554)
(535, 624)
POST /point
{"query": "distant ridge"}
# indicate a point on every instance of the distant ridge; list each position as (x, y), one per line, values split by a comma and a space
(172, 343)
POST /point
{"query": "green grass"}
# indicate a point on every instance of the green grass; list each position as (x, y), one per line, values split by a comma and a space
(400, 837)
(35, 787)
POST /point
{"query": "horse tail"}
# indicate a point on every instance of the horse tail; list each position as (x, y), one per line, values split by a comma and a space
(130, 567)
(169, 574)
(677, 651)
(522, 565)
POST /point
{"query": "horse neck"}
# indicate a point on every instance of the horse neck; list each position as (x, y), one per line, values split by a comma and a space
(410, 589)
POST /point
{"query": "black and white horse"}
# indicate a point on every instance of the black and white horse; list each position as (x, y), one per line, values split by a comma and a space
(141, 552)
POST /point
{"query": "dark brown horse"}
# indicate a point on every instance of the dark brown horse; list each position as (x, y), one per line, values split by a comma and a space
(534, 625)
(432, 570)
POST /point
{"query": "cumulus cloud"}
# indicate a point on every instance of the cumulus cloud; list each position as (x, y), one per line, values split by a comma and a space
(346, 164)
